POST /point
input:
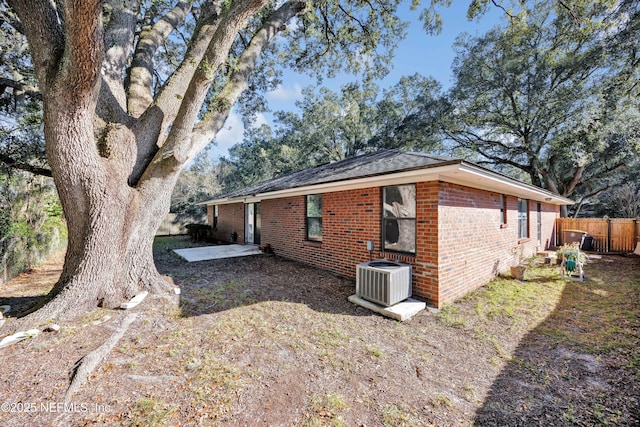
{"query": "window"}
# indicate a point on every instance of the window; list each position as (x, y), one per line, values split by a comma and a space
(215, 216)
(399, 218)
(314, 217)
(523, 218)
(503, 210)
(539, 223)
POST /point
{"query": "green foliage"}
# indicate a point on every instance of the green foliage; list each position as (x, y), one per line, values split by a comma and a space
(197, 183)
(333, 126)
(31, 221)
(550, 95)
(620, 201)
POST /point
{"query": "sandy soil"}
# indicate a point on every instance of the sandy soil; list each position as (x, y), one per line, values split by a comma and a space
(261, 341)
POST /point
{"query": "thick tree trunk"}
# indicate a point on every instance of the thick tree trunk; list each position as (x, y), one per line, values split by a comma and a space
(115, 167)
(111, 224)
(111, 260)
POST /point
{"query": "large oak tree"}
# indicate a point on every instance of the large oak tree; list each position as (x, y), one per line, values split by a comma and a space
(132, 90)
(554, 95)
(333, 126)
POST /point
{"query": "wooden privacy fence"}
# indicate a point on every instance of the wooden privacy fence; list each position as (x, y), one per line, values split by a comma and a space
(609, 234)
(177, 223)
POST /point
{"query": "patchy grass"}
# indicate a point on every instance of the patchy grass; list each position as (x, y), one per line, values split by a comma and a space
(374, 351)
(150, 411)
(326, 411)
(394, 415)
(517, 302)
(612, 299)
(261, 340)
(451, 315)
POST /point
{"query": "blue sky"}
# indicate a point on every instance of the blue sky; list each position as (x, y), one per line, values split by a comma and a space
(417, 53)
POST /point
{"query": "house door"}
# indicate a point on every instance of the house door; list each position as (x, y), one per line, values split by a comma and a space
(252, 226)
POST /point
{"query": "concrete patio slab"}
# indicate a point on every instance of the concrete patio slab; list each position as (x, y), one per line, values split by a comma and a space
(206, 253)
(402, 311)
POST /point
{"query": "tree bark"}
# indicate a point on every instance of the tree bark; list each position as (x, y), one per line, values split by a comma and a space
(115, 159)
(111, 225)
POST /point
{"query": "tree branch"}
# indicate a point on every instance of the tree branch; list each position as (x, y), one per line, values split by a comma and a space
(213, 121)
(173, 153)
(24, 166)
(82, 60)
(577, 175)
(141, 73)
(152, 126)
(40, 21)
(28, 90)
(118, 38)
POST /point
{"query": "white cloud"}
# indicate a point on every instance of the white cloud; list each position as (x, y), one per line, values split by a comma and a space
(230, 134)
(286, 94)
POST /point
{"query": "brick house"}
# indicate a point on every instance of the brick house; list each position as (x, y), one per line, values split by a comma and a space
(456, 223)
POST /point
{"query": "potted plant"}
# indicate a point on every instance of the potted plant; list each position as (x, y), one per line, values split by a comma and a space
(520, 267)
(570, 254)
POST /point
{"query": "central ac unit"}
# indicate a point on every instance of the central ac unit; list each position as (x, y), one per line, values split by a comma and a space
(383, 282)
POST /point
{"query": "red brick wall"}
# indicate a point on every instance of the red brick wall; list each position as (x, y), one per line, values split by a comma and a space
(425, 263)
(473, 247)
(349, 220)
(461, 243)
(473, 244)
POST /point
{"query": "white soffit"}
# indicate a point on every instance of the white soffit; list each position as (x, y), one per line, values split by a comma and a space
(457, 173)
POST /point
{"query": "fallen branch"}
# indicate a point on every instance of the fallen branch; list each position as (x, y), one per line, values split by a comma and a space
(86, 365)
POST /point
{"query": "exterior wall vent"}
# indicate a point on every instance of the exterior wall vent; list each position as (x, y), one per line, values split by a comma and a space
(383, 282)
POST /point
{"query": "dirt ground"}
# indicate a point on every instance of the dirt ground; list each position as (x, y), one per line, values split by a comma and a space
(262, 341)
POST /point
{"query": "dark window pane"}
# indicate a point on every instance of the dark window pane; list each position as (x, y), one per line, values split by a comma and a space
(400, 235)
(314, 217)
(314, 229)
(399, 213)
(523, 220)
(400, 201)
(314, 205)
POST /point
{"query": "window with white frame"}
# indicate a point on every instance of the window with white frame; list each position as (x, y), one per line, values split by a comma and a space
(523, 219)
(314, 217)
(399, 218)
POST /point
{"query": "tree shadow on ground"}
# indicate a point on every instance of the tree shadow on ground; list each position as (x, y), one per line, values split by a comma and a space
(580, 366)
(20, 304)
(217, 285)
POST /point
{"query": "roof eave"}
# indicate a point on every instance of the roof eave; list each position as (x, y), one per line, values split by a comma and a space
(456, 171)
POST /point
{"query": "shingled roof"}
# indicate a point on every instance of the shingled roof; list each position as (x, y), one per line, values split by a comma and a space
(378, 163)
(382, 166)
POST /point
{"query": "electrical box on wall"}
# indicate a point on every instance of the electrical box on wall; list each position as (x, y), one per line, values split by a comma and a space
(370, 245)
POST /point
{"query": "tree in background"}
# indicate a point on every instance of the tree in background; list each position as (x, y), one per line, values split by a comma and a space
(260, 156)
(31, 222)
(133, 90)
(620, 201)
(553, 95)
(198, 182)
(333, 126)
(30, 215)
(409, 116)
